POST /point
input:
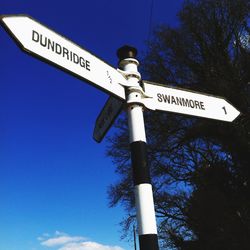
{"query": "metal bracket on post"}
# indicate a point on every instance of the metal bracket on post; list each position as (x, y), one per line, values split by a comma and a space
(129, 70)
(136, 94)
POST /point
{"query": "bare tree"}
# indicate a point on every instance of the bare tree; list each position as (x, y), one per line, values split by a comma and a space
(200, 168)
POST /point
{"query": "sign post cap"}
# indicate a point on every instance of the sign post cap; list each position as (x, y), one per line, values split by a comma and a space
(126, 51)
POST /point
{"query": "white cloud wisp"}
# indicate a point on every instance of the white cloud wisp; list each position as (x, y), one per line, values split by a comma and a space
(64, 241)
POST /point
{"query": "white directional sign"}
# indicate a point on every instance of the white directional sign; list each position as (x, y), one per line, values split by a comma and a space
(188, 102)
(47, 45)
(107, 116)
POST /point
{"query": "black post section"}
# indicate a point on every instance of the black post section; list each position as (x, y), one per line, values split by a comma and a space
(139, 162)
(148, 242)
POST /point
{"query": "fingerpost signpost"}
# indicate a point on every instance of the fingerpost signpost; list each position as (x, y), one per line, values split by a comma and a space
(126, 89)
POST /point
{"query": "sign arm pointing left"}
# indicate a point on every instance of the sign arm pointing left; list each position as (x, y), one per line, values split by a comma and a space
(106, 118)
(45, 44)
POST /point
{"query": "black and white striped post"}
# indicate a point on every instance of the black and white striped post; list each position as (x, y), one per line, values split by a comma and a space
(145, 213)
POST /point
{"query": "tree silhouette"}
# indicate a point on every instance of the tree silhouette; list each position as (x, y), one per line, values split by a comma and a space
(200, 168)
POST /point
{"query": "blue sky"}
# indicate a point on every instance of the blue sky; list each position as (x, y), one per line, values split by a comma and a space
(53, 175)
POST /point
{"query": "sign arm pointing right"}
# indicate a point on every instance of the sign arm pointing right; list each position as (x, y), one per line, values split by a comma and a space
(188, 102)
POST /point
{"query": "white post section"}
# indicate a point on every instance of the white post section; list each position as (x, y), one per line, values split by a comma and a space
(145, 209)
(142, 184)
(136, 123)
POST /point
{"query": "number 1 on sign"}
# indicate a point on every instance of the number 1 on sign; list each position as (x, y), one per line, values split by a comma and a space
(225, 110)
